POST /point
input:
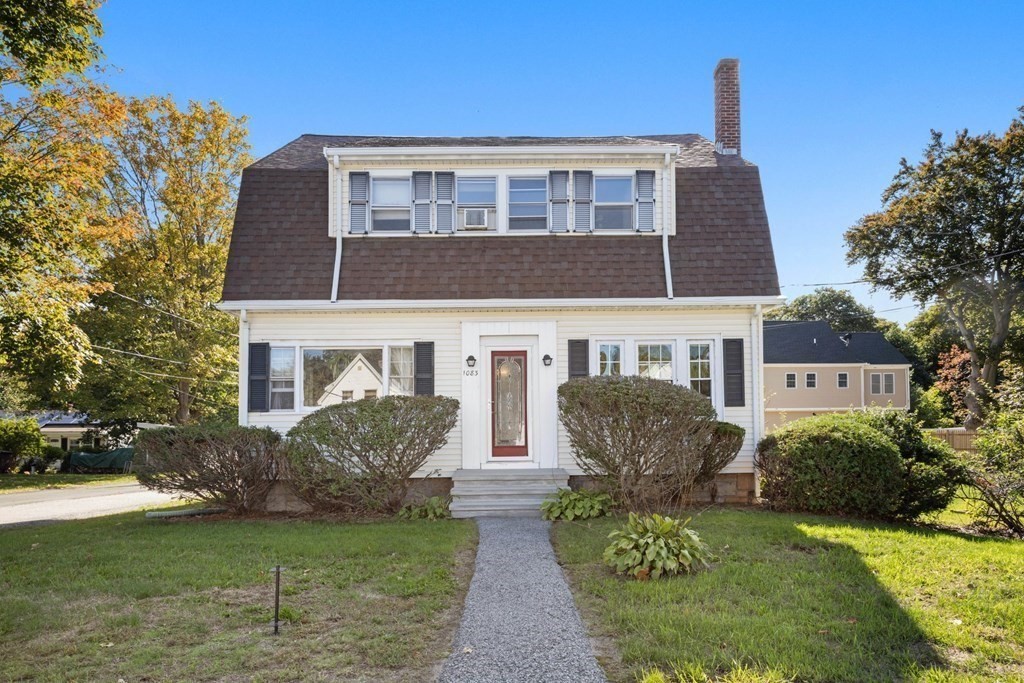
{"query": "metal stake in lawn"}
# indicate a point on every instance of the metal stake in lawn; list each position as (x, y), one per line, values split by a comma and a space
(277, 598)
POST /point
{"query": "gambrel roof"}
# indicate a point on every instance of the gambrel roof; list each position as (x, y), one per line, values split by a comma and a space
(281, 250)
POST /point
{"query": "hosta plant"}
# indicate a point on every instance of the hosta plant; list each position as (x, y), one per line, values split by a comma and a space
(569, 505)
(651, 545)
(435, 507)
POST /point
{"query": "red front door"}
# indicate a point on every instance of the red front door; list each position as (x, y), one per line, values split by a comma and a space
(508, 404)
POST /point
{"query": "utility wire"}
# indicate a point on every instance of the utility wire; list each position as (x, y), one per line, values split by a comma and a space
(143, 355)
(168, 313)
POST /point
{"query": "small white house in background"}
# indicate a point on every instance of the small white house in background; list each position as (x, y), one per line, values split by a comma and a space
(809, 369)
(494, 269)
(68, 431)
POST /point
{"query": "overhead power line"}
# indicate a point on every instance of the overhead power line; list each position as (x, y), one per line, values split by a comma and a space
(143, 355)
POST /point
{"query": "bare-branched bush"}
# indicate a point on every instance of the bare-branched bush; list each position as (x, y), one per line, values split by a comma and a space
(996, 472)
(361, 455)
(225, 465)
(645, 441)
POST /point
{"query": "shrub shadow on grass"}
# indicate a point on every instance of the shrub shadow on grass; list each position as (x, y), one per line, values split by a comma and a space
(778, 601)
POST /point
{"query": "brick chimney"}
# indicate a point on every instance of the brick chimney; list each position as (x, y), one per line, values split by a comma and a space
(727, 106)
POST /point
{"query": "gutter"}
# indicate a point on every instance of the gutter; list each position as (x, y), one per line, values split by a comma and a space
(353, 305)
(337, 239)
(757, 372)
(664, 227)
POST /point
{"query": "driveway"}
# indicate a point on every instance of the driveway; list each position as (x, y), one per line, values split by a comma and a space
(76, 503)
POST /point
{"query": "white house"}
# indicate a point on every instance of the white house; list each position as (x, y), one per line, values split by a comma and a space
(494, 269)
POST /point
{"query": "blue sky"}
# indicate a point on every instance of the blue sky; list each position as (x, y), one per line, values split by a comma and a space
(833, 94)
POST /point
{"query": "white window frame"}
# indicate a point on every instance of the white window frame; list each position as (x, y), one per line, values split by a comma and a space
(372, 206)
(795, 380)
(671, 343)
(807, 380)
(270, 379)
(843, 375)
(594, 204)
(890, 379)
(882, 376)
(711, 361)
(508, 202)
(299, 345)
(624, 369)
(412, 367)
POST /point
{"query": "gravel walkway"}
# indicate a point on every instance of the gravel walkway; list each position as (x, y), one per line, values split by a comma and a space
(520, 624)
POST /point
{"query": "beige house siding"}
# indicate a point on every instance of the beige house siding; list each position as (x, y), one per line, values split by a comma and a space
(444, 328)
(785, 405)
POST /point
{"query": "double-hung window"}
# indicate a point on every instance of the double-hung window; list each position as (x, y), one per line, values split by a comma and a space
(390, 201)
(811, 380)
(613, 202)
(700, 368)
(791, 380)
(843, 380)
(528, 203)
(400, 371)
(609, 359)
(477, 199)
(654, 361)
(282, 378)
(883, 383)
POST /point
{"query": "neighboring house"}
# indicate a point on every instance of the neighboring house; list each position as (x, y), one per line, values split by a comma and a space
(69, 431)
(809, 369)
(357, 379)
(494, 269)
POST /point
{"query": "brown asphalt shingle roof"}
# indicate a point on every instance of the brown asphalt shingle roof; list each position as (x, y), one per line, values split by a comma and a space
(280, 249)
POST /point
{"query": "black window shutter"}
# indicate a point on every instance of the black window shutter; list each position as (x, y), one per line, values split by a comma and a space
(423, 368)
(733, 357)
(259, 378)
(579, 358)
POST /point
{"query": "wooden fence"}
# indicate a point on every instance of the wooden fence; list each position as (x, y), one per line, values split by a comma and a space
(958, 437)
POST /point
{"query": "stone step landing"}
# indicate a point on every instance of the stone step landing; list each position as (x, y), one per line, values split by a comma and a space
(504, 493)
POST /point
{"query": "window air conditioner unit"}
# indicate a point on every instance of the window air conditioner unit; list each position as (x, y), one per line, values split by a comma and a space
(474, 219)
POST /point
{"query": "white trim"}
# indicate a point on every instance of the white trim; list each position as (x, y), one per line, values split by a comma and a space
(807, 376)
(816, 365)
(493, 304)
(540, 338)
(796, 380)
(243, 368)
(847, 380)
(833, 409)
(575, 151)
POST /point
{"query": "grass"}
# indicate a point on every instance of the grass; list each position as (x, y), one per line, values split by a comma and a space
(13, 483)
(122, 597)
(797, 597)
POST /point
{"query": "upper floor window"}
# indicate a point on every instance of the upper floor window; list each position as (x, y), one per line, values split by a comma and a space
(390, 199)
(528, 203)
(477, 199)
(613, 203)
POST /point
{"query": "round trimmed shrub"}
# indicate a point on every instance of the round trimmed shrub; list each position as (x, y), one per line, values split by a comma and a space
(645, 441)
(360, 455)
(831, 465)
(931, 473)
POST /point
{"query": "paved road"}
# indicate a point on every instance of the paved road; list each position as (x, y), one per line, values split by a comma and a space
(76, 502)
(520, 624)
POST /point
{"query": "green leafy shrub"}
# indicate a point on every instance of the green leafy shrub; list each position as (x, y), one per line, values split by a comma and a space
(20, 440)
(222, 464)
(650, 546)
(645, 441)
(996, 471)
(569, 505)
(831, 464)
(931, 473)
(360, 455)
(433, 508)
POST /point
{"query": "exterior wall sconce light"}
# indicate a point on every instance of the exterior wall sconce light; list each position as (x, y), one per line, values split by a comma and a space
(547, 360)
(471, 361)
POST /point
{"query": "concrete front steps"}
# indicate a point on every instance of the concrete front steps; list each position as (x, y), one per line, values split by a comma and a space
(504, 493)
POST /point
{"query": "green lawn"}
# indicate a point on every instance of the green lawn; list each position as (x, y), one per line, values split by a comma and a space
(127, 598)
(797, 597)
(10, 483)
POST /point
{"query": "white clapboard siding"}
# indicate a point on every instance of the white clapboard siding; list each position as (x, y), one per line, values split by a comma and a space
(445, 330)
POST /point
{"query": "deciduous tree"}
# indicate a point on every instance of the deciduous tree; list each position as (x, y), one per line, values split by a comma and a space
(951, 231)
(836, 306)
